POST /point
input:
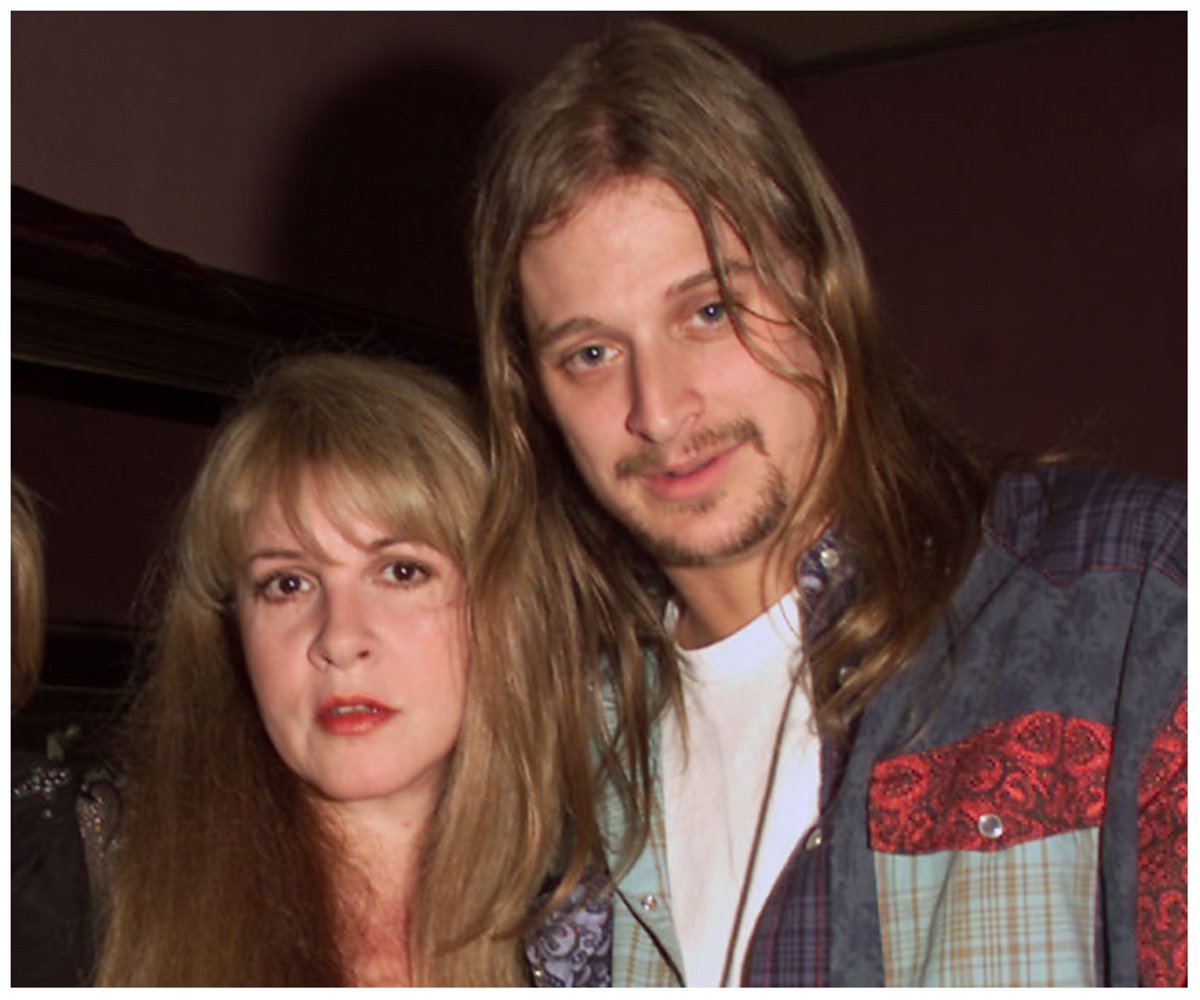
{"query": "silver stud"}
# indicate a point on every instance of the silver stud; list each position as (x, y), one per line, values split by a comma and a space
(649, 902)
(814, 839)
(991, 826)
(830, 558)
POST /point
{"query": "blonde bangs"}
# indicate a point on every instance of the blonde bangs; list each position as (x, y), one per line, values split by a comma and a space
(402, 499)
(325, 423)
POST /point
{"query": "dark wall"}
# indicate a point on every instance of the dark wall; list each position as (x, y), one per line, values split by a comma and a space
(1023, 202)
(109, 482)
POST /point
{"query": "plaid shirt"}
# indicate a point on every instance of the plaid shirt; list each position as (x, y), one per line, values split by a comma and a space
(793, 927)
(1033, 830)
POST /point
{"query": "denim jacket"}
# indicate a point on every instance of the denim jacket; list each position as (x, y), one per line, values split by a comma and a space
(1013, 808)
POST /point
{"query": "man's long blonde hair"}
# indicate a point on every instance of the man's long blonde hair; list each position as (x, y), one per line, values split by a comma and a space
(904, 492)
(222, 873)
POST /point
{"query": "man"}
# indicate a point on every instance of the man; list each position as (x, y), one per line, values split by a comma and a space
(902, 718)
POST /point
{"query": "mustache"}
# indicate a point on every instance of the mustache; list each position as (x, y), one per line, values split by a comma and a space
(653, 458)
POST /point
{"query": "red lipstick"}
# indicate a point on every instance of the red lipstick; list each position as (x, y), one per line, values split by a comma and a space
(352, 716)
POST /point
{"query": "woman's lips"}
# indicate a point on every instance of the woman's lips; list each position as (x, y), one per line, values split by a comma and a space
(352, 716)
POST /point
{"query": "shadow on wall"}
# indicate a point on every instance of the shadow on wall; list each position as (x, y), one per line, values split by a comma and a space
(1024, 206)
(374, 203)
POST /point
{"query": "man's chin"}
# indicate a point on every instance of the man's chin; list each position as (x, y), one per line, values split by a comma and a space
(708, 543)
(696, 551)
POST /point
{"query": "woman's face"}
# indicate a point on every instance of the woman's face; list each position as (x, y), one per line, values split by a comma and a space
(357, 652)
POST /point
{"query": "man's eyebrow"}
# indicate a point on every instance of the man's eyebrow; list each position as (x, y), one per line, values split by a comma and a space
(543, 336)
(732, 267)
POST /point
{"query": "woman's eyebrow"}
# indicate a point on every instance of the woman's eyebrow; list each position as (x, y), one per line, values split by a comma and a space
(274, 554)
(377, 545)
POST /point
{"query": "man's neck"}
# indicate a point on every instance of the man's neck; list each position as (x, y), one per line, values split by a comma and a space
(716, 601)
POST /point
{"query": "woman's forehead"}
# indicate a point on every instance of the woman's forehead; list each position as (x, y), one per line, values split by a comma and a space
(314, 500)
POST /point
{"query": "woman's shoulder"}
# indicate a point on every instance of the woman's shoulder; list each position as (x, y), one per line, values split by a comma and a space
(97, 813)
(63, 819)
(572, 946)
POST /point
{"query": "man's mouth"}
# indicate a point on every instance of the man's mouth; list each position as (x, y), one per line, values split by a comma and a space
(700, 451)
(682, 472)
(697, 482)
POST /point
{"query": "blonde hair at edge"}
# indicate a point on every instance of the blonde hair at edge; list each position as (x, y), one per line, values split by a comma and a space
(905, 492)
(222, 874)
(28, 595)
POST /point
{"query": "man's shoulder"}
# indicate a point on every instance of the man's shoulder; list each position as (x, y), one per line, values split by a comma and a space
(1067, 521)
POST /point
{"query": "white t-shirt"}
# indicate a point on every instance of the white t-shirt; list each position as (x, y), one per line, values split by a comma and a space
(734, 693)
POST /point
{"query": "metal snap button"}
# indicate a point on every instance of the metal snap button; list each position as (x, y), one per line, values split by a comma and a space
(991, 826)
(649, 903)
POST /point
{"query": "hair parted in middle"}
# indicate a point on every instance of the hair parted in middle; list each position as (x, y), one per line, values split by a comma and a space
(223, 874)
(905, 492)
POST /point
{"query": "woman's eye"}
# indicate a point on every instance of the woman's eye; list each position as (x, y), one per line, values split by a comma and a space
(282, 586)
(406, 573)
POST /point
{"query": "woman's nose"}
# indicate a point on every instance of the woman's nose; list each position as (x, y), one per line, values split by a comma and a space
(344, 635)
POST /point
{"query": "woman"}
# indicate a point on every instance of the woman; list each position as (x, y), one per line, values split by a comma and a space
(55, 802)
(332, 780)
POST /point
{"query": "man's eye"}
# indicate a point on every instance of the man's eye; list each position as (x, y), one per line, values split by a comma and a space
(406, 573)
(589, 356)
(711, 313)
(282, 586)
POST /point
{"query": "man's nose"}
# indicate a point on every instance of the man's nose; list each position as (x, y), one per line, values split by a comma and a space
(663, 397)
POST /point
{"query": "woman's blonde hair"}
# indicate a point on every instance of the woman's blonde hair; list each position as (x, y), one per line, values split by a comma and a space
(28, 595)
(905, 492)
(223, 874)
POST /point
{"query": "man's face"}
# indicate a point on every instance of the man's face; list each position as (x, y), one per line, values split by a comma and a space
(681, 432)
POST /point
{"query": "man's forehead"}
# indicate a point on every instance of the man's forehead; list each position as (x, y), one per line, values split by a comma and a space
(663, 192)
(614, 201)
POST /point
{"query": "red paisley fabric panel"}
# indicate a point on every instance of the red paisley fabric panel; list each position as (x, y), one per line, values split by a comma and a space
(1162, 856)
(1038, 774)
